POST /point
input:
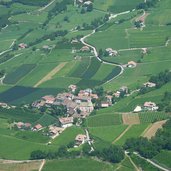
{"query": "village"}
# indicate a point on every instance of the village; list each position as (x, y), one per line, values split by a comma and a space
(77, 105)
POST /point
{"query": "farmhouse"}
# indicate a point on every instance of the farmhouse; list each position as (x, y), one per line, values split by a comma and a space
(149, 84)
(138, 109)
(27, 125)
(49, 99)
(151, 106)
(72, 88)
(105, 104)
(124, 89)
(37, 127)
(86, 107)
(4, 105)
(74, 41)
(22, 45)
(117, 94)
(80, 139)
(85, 49)
(66, 122)
(53, 130)
(112, 52)
(20, 125)
(131, 64)
(38, 104)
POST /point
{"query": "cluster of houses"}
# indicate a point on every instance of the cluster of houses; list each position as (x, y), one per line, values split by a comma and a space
(147, 106)
(77, 106)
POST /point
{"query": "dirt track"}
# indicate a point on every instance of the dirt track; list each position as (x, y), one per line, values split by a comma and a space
(51, 74)
(122, 134)
(153, 129)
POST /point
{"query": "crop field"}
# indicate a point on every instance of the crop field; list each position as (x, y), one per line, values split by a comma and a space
(130, 119)
(18, 95)
(107, 133)
(20, 166)
(46, 120)
(19, 73)
(19, 115)
(134, 132)
(67, 136)
(150, 117)
(104, 120)
(77, 165)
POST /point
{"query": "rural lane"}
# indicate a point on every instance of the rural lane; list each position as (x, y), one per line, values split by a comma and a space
(112, 16)
(151, 162)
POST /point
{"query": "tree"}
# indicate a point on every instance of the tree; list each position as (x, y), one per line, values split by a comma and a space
(38, 154)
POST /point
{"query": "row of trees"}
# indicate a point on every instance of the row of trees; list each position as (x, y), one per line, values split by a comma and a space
(150, 148)
(50, 36)
(57, 9)
(146, 5)
(165, 104)
(113, 154)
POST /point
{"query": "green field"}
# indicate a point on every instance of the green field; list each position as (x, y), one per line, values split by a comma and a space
(134, 132)
(163, 158)
(77, 165)
(104, 120)
(151, 117)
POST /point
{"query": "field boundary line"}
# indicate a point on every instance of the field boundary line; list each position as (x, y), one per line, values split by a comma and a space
(122, 134)
(148, 127)
(51, 74)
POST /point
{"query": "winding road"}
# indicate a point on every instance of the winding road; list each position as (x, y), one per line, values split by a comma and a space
(112, 16)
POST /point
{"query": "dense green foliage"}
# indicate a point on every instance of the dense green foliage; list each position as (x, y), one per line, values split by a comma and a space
(150, 148)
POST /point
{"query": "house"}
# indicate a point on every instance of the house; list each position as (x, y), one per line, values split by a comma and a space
(149, 84)
(74, 41)
(79, 99)
(80, 139)
(86, 107)
(66, 122)
(49, 99)
(22, 45)
(138, 109)
(94, 96)
(151, 106)
(124, 89)
(37, 127)
(54, 130)
(112, 52)
(27, 125)
(144, 50)
(72, 88)
(38, 104)
(131, 64)
(85, 49)
(87, 3)
(117, 94)
(4, 105)
(105, 104)
(20, 125)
